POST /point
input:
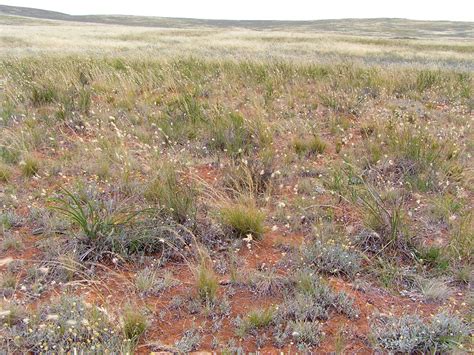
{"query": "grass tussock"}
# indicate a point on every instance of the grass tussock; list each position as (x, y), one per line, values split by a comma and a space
(176, 197)
(243, 220)
(309, 146)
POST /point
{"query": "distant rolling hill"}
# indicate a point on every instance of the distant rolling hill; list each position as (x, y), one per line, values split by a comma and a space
(398, 28)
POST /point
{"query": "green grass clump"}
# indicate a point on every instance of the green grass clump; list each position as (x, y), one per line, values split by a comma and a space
(207, 283)
(41, 95)
(134, 324)
(256, 319)
(231, 134)
(434, 257)
(29, 166)
(5, 172)
(309, 146)
(176, 196)
(426, 79)
(243, 220)
(109, 226)
(94, 217)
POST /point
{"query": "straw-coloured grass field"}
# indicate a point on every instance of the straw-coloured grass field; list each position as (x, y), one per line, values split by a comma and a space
(183, 185)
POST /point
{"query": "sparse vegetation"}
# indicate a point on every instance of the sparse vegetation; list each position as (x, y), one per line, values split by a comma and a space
(269, 193)
(64, 325)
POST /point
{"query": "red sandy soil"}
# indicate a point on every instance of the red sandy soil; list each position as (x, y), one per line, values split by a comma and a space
(114, 289)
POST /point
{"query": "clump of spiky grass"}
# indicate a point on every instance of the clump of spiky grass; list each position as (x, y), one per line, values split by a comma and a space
(243, 220)
(254, 320)
(251, 178)
(309, 146)
(30, 165)
(95, 219)
(134, 324)
(230, 134)
(436, 290)
(109, 227)
(11, 242)
(207, 283)
(176, 196)
(268, 283)
(5, 172)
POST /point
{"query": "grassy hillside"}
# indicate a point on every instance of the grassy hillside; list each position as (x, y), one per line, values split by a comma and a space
(365, 27)
(379, 42)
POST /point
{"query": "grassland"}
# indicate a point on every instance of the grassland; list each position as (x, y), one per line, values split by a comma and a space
(234, 188)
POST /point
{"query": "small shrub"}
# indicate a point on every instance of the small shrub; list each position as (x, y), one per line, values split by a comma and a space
(243, 220)
(268, 283)
(409, 334)
(313, 300)
(189, 341)
(332, 258)
(304, 334)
